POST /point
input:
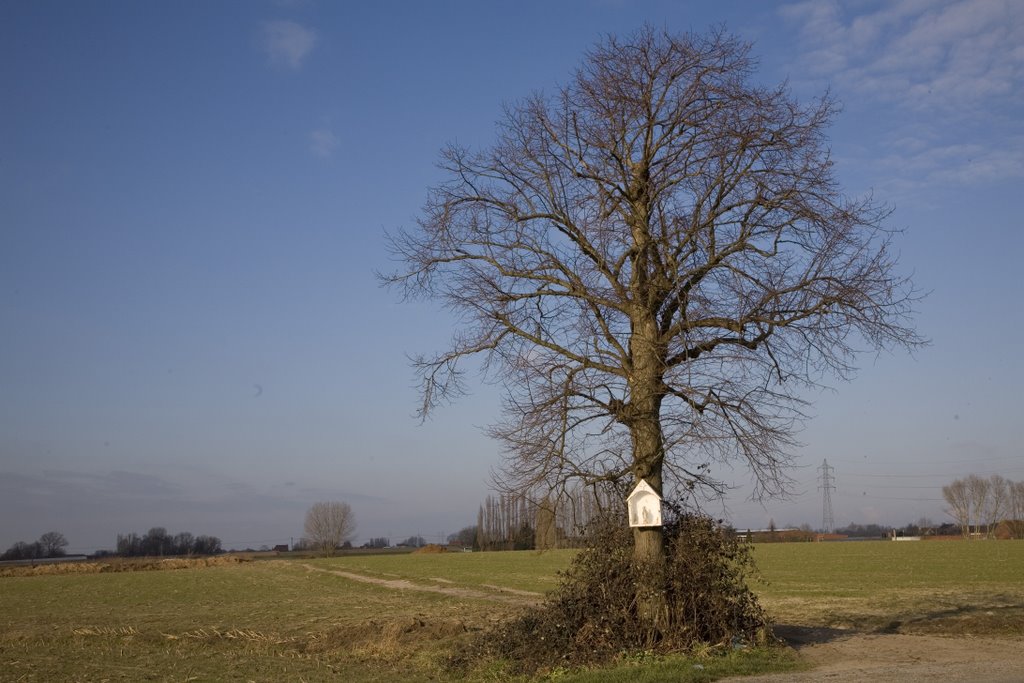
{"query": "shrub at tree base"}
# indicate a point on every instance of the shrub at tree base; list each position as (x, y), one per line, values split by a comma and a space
(594, 616)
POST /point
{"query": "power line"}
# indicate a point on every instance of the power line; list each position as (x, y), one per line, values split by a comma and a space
(925, 475)
(873, 497)
(902, 486)
(985, 461)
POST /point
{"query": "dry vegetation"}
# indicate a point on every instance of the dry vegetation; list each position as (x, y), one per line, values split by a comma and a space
(595, 616)
(118, 564)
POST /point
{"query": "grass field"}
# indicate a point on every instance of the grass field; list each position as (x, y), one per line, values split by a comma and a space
(954, 587)
(304, 620)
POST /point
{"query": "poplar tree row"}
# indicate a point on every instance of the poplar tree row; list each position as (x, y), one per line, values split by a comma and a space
(526, 522)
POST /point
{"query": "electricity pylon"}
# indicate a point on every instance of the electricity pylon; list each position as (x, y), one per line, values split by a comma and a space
(828, 523)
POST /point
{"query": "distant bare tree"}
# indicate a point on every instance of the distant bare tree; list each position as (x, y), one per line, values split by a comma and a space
(983, 503)
(157, 542)
(958, 498)
(23, 551)
(183, 543)
(978, 489)
(53, 544)
(657, 261)
(998, 503)
(506, 523)
(466, 537)
(1015, 509)
(206, 545)
(414, 542)
(329, 524)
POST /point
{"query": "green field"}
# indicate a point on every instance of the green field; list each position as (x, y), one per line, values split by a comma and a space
(300, 620)
(974, 588)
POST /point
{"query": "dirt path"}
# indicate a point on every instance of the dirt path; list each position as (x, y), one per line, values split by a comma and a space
(843, 657)
(495, 593)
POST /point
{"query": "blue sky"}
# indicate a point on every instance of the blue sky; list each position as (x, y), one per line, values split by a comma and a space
(193, 198)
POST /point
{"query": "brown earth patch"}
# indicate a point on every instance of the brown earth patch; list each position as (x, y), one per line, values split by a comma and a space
(430, 548)
(496, 593)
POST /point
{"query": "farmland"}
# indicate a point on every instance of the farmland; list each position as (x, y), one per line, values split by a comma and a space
(952, 588)
(394, 617)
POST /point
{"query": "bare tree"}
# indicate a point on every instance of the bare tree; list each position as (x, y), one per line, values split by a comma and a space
(53, 544)
(329, 524)
(958, 498)
(656, 262)
(983, 503)
(206, 545)
(979, 489)
(414, 542)
(1015, 509)
(466, 537)
(998, 503)
(183, 543)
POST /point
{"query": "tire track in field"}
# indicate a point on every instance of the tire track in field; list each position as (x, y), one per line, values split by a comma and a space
(497, 594)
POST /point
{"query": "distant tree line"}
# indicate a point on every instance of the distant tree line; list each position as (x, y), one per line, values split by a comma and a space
(505, 522)
(465, 537)
(376, 543)
(158, 543)
(528, 521)
(50, 544)
(412, 542)
(864, 531)
(926, 527)
(980, 506)
(773, 534)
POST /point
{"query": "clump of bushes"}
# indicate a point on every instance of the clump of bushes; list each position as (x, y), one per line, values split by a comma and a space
(596, 615)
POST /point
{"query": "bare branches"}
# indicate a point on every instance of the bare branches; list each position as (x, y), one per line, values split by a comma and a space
(981, 504)
(329, 524)
(655, 262)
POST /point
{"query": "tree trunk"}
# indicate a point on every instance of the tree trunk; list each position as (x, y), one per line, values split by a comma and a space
(644, 422)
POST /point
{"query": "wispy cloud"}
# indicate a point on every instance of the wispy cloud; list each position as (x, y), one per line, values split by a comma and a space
(115, 482)
(323, 142)
(944, 80)
(287, 43)
(959, 163)
(920, 53)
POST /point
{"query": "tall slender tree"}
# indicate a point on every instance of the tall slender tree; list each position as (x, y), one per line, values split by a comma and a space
(958, 498)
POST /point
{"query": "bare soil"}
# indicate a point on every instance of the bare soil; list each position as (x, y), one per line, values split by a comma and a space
(495, 593)
(840, 656)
